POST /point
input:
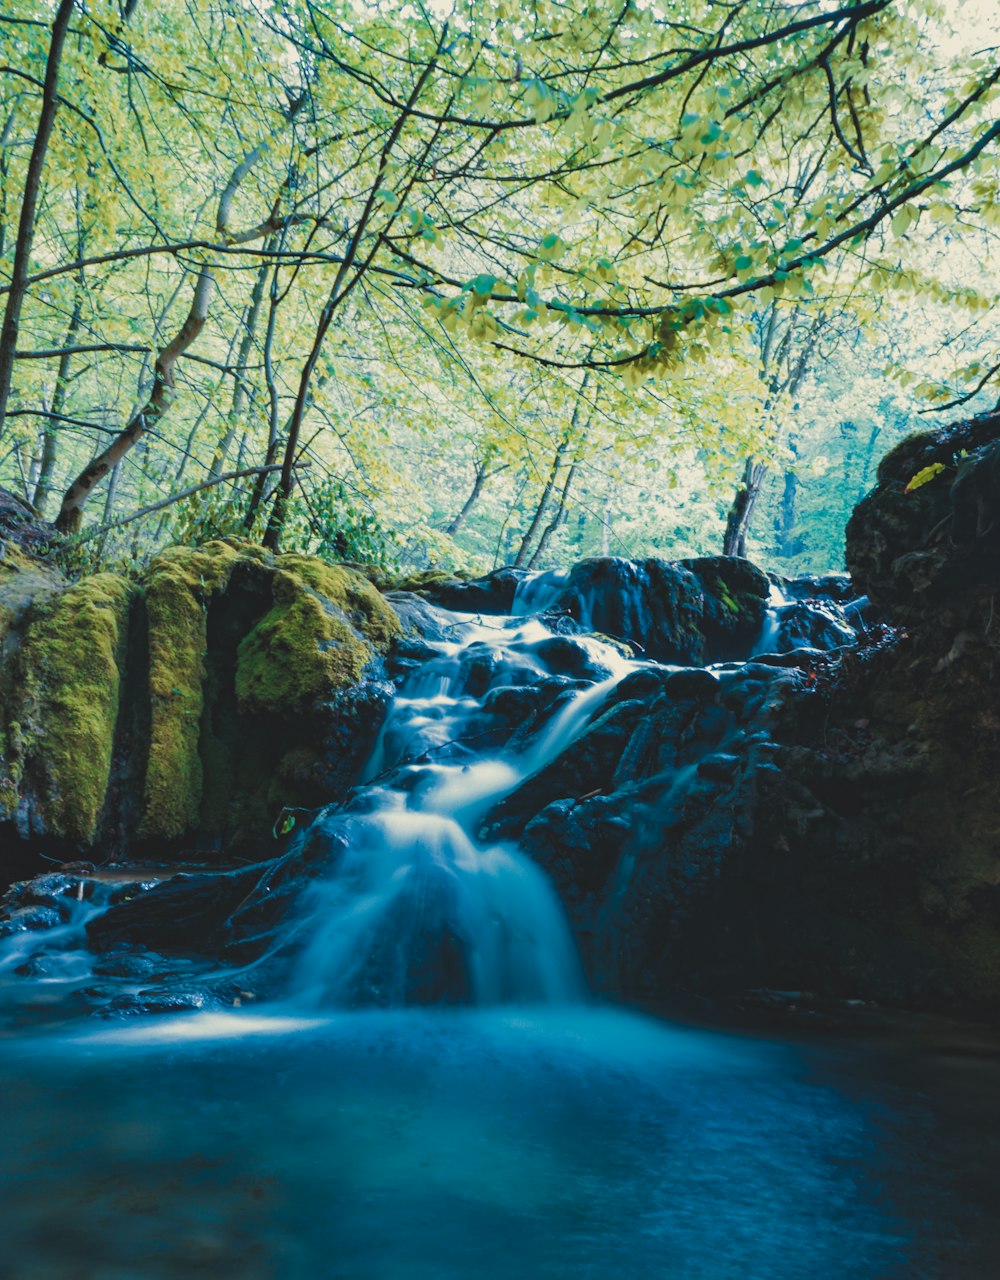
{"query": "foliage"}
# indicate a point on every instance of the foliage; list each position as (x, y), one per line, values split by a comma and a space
(498, 276)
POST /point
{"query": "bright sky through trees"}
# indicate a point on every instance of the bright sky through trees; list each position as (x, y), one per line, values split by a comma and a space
(485, 282)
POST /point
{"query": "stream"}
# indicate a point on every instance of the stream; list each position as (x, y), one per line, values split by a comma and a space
(414, 1080)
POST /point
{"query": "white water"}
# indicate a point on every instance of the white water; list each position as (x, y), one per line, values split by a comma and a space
(417, 909)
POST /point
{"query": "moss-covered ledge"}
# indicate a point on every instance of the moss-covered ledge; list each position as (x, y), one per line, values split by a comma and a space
(185, 709)
(65, 697)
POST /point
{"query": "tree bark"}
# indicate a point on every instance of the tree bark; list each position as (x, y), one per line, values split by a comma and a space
(741, 512)
(246, 345)
(557, 519)
(29, 204)
(50, 445)
(540, 510)
(75, 498)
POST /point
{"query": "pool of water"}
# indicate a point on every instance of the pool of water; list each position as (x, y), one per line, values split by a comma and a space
(550, 1143)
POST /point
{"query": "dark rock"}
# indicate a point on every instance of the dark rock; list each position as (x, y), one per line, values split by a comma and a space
(566, 656)
(135, 965)
(693, 683)
(808, 624)
(492, 594)
(721, 767)
(30, 918)
(735, 596)
(927, 537)
(652, 604)
(588, 764)
(156, 1001)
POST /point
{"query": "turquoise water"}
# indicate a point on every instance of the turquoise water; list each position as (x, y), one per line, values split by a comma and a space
(490, 1143)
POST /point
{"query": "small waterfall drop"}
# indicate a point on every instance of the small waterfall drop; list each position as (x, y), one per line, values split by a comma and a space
(416, 909)
(415, 888)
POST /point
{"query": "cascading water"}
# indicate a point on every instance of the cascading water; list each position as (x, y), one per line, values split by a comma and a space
(412, 904)
(416, 909)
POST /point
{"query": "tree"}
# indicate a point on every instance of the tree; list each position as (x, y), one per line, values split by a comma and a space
(564, 189)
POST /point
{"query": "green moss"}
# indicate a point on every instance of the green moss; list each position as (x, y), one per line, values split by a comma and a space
(348, 591)
(180, 583)
(422, 578)
(69, 664)
(326, 625)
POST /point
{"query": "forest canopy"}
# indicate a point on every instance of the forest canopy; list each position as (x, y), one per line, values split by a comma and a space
(487, 282)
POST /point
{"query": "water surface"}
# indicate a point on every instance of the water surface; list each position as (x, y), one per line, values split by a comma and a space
(494, 1143)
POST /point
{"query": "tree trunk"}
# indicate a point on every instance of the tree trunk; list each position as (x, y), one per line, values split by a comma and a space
(482, 476)
(279, 511)
(257, 496)
(246, 344)
(540, 510)
(788, 544)
(556, 520)
(29, 203)
(50, 446)
(75, 498)
(741, 512)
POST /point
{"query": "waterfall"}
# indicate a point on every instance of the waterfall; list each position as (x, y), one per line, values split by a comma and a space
(414, 888)
(416, 908)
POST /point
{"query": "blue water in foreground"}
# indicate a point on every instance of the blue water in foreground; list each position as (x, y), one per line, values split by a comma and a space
(420, 1144)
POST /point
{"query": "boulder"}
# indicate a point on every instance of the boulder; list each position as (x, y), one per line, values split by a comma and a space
(185, 710)
(926, 540)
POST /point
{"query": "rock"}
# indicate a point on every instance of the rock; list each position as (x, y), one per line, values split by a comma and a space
(156, 1001)
(654, 605)
(21, 529)
(187, 709)
(809, 624)
(927, 538)
(735, 594)
(588, 764)
(492, 594)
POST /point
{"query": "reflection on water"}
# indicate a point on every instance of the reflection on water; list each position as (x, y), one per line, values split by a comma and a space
(584, 1143)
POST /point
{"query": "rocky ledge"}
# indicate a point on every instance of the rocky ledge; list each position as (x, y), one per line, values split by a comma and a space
(184, 709)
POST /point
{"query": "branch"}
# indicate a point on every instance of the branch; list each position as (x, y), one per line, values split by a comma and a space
(179, 497)
(969, 395)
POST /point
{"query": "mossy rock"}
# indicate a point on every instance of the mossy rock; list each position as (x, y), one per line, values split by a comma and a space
(179, 585)
(735, 601)
(70, 665)
(327, 624)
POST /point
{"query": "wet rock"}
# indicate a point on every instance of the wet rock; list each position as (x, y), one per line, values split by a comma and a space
(156, 1001)
(654, 605)
(720, 767)
(693, 683)
(588, 764)
(567, 656)
(809, 624)
(492, 594)
(420, 619)
(735, 594)
(927, 538)
(186, 915)
(46, 890)
(136, 966)
(30, 918)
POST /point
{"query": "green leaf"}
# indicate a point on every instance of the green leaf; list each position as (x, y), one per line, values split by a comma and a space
(924, 476)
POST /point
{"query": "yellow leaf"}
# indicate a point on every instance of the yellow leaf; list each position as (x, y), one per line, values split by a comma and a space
(924, 476)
